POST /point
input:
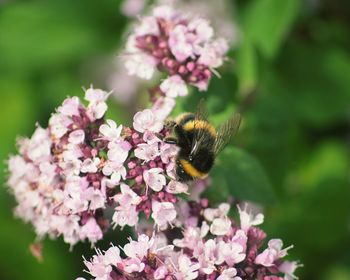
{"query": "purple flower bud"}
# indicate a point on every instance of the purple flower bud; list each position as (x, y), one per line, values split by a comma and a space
(176, 44)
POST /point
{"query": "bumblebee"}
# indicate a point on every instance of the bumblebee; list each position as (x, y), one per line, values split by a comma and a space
(199, 142)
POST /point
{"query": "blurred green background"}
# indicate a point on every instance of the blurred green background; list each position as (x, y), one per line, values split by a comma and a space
(290, 72)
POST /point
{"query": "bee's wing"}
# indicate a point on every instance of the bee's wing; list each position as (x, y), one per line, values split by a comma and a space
(199, 135)
(226, 131)
(202, 111)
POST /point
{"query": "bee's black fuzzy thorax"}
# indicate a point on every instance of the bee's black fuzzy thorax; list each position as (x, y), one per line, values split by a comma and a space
(194, 163)
(199, 142)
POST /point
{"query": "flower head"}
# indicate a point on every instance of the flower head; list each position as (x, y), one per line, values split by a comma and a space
(183, 47)
(199, 255)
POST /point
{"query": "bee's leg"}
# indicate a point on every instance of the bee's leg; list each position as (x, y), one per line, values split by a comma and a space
(170, 140)
(169, 123)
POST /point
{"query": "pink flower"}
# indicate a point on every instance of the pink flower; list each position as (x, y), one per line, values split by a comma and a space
(110, 131)
(272, 253)
(133, 265)
(176, 187)
(132, 8)
(126, 213)
(146, 120)
(168, 152)
(202, 29)
(48, 172)
(17, 167)
(112, 256)
(212, 54)
(64, 172)
(97, 106)
(72, 153)
(141, 65)
(211, 213)
(163, 107)
(231, 252)
(75, 203)
(39, 145)
(154, 179)
(97, 268)
(229, 274)
(288, 268)
(70, 107)
(187, 269)
(163, 213)
(192, 237)
(91, 230)
(125, 216)
(147, 152)
(76, 136)
(117, 172)
(221, 46)
(90, 166)
(208, 256)
(96, 197)
(127, 196)
(165, 12)
(69, 227)
(240, 238)
(248, 219)
(138, 249)
(95, 96)
(198, 255)
(174, 86)
(149, 25)
(179, 44)
(150, 137)
(160, 272)
(59, 125)
(118, 152)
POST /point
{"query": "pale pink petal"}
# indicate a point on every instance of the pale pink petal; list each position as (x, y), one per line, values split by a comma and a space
(174, 86)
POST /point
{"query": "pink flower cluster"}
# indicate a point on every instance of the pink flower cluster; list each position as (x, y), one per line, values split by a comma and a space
(67, 174)
(55, 179)
(151, 170)
(211, 246)
(181, 46)
(83, 173)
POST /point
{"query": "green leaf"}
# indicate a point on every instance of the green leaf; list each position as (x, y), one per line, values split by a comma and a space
(268, 22)
(320, 86)
(247, 67)
(239, 174)
(338, 272)
(328, 161)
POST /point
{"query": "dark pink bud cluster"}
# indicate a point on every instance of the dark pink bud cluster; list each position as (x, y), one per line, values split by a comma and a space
(182, 47)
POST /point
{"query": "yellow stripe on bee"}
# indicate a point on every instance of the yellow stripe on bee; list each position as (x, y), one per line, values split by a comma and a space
(200, 124)
(191, 170)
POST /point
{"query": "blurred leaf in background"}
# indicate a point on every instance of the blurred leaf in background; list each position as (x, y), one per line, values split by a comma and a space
(295, 57)
(45, 48)
(240, 175)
